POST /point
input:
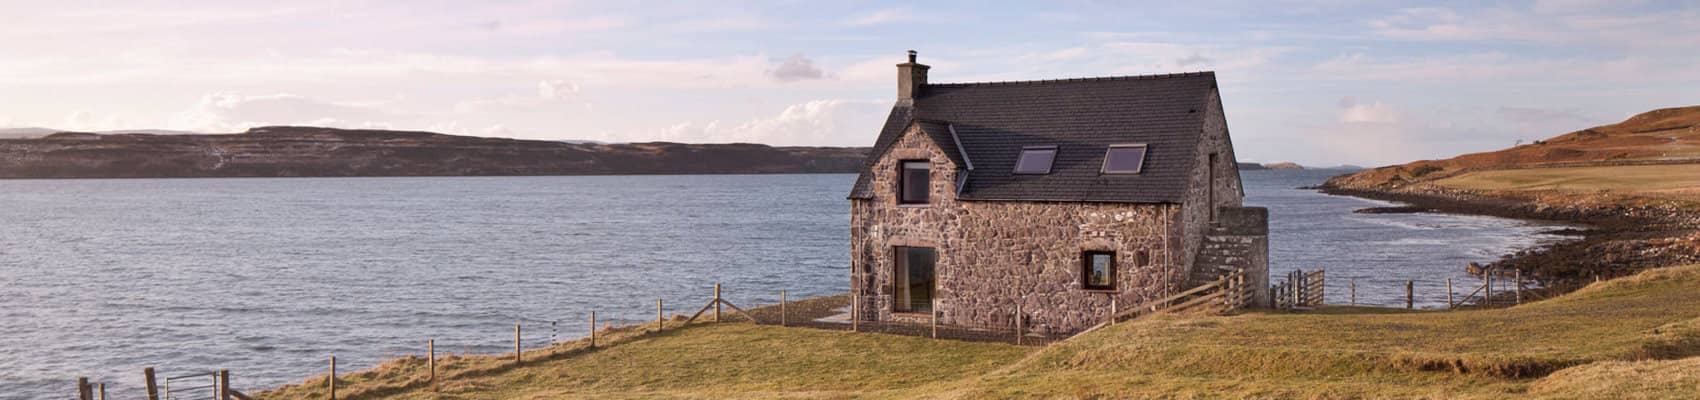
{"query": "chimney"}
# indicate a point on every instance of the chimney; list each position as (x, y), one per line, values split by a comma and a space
(910, 78)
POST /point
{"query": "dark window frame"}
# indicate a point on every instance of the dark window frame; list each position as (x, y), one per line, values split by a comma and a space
(1086, 269)
(899, 264)
(1023, 155)
(1144, 153)
(903, 183)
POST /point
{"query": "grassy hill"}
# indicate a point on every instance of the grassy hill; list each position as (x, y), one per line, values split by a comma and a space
(1624, 338)
(1670, 135)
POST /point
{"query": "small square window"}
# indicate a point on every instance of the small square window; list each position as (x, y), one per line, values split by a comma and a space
(1124, 159)
(1098, 270)
(1036, 160)
(914, 181)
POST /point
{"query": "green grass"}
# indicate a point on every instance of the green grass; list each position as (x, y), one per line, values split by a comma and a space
(1681, 182)
(1474, 353)
(1598, 338)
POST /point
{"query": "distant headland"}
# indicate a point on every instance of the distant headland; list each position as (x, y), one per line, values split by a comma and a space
(1249, 166)
(297, 151)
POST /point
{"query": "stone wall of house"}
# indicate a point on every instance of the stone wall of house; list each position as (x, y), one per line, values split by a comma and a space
(1240, 240)
(1195, 213)
(995, 255)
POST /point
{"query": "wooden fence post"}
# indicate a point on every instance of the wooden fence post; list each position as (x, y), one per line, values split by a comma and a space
(102, 393)
(1410, 295)
(83, 392)
(1354, 290)
(1113, 310)
(223, 384)
(332, 380)
(855, 313)
(781, 307)
(1518, 274)
(1487, 298)
(592, 328)
(717, 302)
(1293, 283)
(517, 359)
(1020, 324)
(1449, 293)
(934, 314)
(151, 386)
(431, 361)
(660, 323)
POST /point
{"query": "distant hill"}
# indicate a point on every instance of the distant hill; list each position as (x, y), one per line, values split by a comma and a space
(1247, 166)
(282, 151)
(37, 132)
(25, 133)
(1668, 135)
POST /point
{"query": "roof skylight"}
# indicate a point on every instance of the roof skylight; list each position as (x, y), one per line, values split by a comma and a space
(1035, 160)
(1124, 159)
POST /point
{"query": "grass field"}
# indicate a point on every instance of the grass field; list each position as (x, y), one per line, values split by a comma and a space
(1681, 181)
(1626, 337)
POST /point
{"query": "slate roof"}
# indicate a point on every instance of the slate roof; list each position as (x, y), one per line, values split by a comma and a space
(1082, 117)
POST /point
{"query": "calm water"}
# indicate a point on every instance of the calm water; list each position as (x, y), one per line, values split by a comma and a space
(270, 277)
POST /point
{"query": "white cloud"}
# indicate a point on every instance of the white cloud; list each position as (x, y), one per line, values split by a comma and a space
(1352, 112)
(557, 90)
(88, 121)
(231, 112)
(797, 68)
(885, 16)
(834, 122)
(497, 131)
(551, 95)
(1498, 69)
(1546, 22)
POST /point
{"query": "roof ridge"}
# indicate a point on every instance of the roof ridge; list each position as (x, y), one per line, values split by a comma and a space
(1086, 79)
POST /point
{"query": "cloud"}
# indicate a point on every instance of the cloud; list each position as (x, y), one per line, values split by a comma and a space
(878, 17)
(550, 95)
(557, 90)
(1352, 112)
(1545, 22)
(88, 121)
(497, 130)
(831, 122)
(231, 112)
(796, 68)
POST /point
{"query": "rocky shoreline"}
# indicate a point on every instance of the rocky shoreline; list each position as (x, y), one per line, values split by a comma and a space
(1622, 235)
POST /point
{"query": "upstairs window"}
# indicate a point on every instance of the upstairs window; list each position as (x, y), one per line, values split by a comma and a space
(914, 179)
(1035, 160)
(1098, 270)
(1124, 159)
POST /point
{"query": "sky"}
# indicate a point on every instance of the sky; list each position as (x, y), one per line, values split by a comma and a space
(1317, 82)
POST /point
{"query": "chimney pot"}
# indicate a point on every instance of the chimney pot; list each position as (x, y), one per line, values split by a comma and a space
(911, 77)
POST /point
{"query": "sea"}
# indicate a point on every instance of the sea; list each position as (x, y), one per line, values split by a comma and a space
(270, 277)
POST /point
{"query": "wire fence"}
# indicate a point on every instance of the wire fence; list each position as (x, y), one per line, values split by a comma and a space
(529, 334)
(195, 386)
(1489, 287)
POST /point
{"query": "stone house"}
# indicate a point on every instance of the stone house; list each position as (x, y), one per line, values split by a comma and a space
(1059, 195)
